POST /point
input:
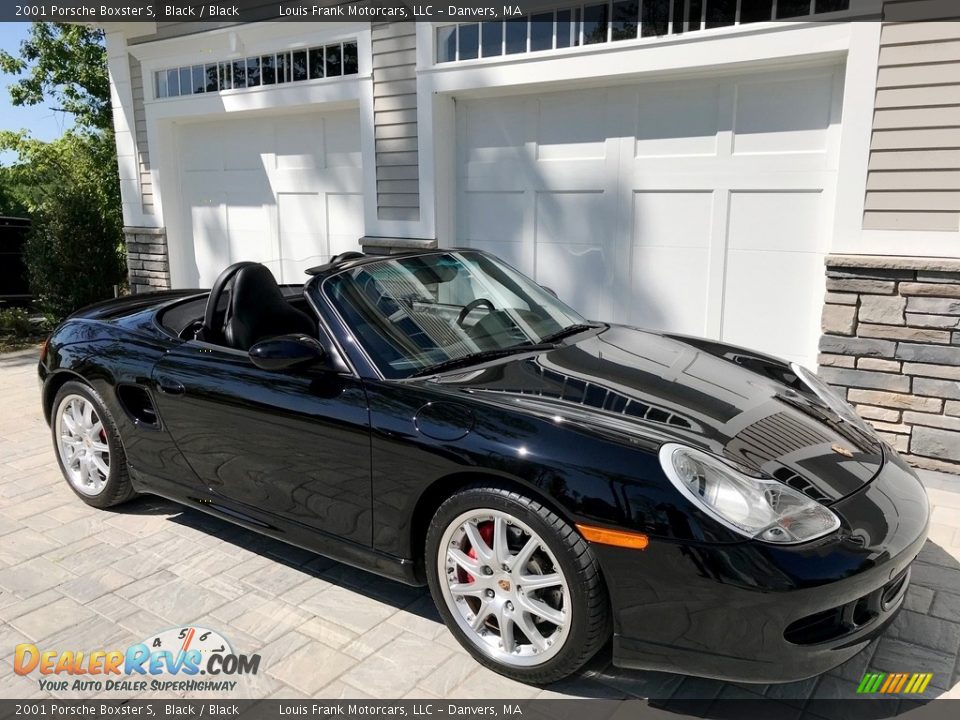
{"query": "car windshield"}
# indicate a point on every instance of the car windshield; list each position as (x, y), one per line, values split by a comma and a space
(415, 314)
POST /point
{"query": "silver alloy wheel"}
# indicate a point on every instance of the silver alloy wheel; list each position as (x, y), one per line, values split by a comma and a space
(504, 587)
(82, 443)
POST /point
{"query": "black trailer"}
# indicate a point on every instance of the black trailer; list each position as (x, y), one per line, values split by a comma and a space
(14, 286)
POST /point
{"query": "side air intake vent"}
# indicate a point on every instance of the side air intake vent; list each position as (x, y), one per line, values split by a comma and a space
(138, 404)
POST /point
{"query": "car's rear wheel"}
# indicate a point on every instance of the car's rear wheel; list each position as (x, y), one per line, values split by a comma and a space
(518, 586)
(88, 447)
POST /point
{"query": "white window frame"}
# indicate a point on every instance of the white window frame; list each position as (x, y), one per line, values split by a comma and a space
(229, 62)
(756, 46)
(859, 9)
(234, 43)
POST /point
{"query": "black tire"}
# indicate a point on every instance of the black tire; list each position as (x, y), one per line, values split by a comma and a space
(589, 606)
(117, 488)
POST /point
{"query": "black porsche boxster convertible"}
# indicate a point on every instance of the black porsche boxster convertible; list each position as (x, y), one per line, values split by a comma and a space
(439, 418)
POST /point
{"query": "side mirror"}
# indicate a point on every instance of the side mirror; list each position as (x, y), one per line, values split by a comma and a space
(288, 352)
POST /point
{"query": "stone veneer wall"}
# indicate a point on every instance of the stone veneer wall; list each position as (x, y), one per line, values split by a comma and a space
(148, 266)
(891, 344)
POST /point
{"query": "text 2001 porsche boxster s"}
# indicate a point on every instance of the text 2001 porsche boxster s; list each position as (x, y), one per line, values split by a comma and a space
(439, 417)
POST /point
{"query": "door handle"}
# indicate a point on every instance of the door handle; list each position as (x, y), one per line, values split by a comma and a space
(169, 387)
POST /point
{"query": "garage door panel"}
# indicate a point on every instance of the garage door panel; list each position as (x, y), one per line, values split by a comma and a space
(344, 221)
(572, 175)
(783, 115)
(210, 247)
(495, 130)
(677, 121)
(342, 140)
(258, 191)
(678, 205)
(299, 143)
(249, 228)
(200, 151)
(246, 146)
(574, 271)
(672, 219)
(774, 279)
(772, 302)
(777, 221)
(572, 127)
(503, 174)
(302, 244)
(738, 171)
(571, 217)
(669, 289)
(571, 256)
(494, 217)
(670, 260)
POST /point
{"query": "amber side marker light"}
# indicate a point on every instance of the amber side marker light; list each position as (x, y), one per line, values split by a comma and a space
(618, 538)
(43, 350)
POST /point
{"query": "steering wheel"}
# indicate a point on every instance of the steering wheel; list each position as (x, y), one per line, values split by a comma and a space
(473, 305)
(213, 319)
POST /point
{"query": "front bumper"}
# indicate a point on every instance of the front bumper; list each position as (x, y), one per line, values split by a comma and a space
(755, 612)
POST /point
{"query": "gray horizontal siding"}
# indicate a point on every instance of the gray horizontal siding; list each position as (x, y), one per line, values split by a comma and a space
(913, 179)
(140, 137)
(395, 121)
(394, 44)
(920, 10)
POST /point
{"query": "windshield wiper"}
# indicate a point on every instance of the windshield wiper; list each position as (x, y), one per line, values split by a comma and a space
(570, 330)
(481, 356)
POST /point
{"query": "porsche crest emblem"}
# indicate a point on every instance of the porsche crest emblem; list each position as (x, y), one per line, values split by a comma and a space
(504, 585)
(841, 450)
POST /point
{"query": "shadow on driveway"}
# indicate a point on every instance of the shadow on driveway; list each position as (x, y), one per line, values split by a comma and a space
(925, 637)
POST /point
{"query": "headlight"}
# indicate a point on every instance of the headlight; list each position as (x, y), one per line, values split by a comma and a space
(754, 507)
(829, 397)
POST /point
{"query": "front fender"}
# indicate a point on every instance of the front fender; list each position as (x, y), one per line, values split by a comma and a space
(591, 477)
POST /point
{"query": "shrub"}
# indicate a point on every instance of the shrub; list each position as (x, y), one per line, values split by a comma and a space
(15, 321)
(73, 254)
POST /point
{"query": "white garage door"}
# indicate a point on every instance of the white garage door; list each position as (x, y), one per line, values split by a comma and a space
(696, 206)
(284, 190)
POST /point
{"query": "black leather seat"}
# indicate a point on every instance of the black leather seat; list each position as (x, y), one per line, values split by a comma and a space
(258, 310)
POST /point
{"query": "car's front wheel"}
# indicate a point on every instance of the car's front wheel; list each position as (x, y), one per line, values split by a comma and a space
(88, 447)
(517, 585)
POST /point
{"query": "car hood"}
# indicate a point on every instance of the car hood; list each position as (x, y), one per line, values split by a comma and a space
(744, 406)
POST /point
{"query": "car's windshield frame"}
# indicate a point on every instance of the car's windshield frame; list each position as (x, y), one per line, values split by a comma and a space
(476, 263)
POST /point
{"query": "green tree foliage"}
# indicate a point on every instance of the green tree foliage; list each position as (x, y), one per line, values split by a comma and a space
(66, 64)
(69, 187)
(11, 204)
(72, 258)
(71, 190)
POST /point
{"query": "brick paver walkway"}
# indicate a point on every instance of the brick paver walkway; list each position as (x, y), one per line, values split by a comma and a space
(72, 577)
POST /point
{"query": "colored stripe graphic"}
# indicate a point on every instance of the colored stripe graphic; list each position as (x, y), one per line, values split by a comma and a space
(870, 682)
(891, 679)
(914, 682)
(902, 680)
(865, 683)
(894, 683)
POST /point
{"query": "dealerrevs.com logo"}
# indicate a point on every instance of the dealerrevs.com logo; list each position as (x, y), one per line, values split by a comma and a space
(185, 659)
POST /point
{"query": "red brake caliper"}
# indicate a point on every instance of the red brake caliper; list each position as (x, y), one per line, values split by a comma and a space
(486, 532)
